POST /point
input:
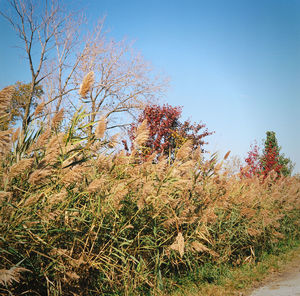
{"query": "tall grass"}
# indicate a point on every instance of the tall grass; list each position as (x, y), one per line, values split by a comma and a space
(76, 219)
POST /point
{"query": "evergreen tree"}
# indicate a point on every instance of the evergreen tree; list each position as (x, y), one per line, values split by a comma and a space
(269, 160)
(272, 159)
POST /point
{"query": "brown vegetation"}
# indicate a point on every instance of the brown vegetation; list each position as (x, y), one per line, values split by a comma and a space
(86, 221)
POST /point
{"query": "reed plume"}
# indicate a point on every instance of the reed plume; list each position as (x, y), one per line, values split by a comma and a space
(58, 117)
(5, 141)
(15, 135)
(74, 175)
(5, 99)
(39, 109)
(40, 176)
(8, 276)
(20, 167)
(96, 185)
(87, 84)
(184, 151)
(101, 128)
(142, 134)
(178, 245)
(42, 139)
(226, 155)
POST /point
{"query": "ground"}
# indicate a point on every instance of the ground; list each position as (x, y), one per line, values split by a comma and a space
(285, 282)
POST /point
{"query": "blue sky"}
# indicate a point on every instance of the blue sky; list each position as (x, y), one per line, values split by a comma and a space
(234, 65)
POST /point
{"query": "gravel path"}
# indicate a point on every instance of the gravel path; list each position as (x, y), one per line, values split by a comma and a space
(286, 283)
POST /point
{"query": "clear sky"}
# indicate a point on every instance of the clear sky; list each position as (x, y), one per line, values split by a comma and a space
(233, 64)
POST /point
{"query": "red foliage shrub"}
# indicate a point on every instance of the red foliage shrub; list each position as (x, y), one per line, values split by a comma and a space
(166, 131)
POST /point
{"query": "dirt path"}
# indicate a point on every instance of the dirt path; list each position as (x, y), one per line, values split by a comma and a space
(284, 283)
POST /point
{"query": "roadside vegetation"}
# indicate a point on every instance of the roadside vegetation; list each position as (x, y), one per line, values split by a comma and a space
(78, 218)
(105, 192)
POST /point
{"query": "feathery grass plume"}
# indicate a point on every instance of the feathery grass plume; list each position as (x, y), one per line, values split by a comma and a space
(118, 192)
(142, 134)
(96, 146)
(5, 196)
(5, 141)
(104, 162)
(72, 275)
(58, 117)
(96, 184)
(178, 245)
(226, 155)
(74, 175)
(121, 158)
(113, 141)
(32, 199)
(39, 109)
(5, 98)
(200, 248)
(8, 276)
(185, 150)
(40, 176)
(53, 148)
(42, 139)
(197, 154)
(16, 135)
(101, 128)
(58, 197)
(87, 84)
(20, 167)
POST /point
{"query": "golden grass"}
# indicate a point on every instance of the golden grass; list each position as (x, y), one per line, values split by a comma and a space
(100, 128)
(133, 224)
(87, 84)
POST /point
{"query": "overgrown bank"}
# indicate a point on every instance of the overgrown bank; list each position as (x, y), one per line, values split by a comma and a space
(239, 280)
(77, 218)
(111, 225)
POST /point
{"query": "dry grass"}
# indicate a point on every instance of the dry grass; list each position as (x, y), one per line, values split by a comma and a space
(88, 222)
(101, 128)
(87, 84)
(8, 276)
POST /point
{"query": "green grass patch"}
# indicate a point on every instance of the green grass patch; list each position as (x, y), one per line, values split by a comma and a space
(227, 280)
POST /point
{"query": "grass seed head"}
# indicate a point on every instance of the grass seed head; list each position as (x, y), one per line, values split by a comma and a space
(5, 99)
(8, 276)
(87, 84)
(178, 245)
(142, 134)
(58, 117)
(101, 128)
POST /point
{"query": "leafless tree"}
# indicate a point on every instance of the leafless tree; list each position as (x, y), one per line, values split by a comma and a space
(124, 81)
(59, 58)
(68, 52)
(37, 24)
